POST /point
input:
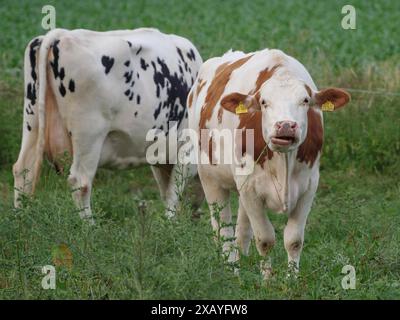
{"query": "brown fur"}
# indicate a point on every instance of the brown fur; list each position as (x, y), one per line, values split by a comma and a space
(220, 113)
(308, 89)
(337, 96)
(200, 86)
(231, 101)
(190, 99)
(263, 76)
(217, 87)
(211, 150)
(312, 145)
(253, 121)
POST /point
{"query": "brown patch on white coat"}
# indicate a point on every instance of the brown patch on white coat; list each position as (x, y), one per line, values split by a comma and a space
(215, 91)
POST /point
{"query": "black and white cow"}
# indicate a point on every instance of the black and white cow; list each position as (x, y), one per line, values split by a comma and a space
(96, 95)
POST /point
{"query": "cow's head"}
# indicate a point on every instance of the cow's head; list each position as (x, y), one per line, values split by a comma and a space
(284, 104)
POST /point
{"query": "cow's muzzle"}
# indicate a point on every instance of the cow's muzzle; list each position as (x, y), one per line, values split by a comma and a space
(285, 133)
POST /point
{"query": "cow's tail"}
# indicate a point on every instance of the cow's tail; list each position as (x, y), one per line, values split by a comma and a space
(48, 40)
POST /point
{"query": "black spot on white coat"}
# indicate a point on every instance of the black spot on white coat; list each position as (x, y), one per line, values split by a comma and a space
(71, 85)
(59, 72)
(177, 90)
(143, 64)
(29, 110)
(62, 74)
(32, 56)
(191, 55)
(62, 90)
(128, 76)
(31, 93)
(56, 56)
(182, 58)
(107, 62)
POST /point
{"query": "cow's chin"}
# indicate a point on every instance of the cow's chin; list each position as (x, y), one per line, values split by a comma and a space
(282, 144)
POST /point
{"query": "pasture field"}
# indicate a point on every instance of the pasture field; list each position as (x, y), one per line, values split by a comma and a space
(134, 253)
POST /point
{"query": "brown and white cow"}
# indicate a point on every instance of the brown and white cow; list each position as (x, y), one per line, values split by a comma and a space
(274, 95)
(97, 95)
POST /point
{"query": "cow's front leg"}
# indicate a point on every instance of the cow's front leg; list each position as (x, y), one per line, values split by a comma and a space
(221, 216)
(263, 230)
(294, 230)
(243, 232)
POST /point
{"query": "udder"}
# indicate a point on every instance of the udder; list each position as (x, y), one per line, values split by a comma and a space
(122, 151)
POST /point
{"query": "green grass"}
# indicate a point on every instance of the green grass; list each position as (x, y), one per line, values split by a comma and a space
(136, 255)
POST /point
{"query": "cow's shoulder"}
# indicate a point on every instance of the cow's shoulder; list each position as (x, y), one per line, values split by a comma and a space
(216, 74)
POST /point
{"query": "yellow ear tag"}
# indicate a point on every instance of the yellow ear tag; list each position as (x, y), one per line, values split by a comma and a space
(328, 106)
(241, 108)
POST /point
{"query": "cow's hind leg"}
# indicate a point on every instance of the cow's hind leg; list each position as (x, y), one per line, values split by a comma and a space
(171, 181)
(87, 146)
(162, 174)
(196, 191)
(24, 167)
(176, 185)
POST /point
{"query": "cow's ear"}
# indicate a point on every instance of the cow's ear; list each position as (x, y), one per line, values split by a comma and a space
(331, 99)
(239, 103)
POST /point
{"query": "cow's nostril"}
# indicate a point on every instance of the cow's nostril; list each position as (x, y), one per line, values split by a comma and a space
(286, 125)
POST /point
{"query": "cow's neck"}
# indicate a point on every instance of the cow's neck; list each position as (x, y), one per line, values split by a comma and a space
(280, 170)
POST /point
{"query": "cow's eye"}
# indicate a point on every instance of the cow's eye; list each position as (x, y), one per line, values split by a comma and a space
(306, 101)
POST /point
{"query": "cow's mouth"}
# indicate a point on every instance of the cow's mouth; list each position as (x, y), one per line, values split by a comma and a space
(283, 140)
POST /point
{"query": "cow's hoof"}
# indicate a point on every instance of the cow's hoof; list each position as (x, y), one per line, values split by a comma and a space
(196, 215)
(170, 214)
(293, 271)
(90, 221)
(266, 270)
